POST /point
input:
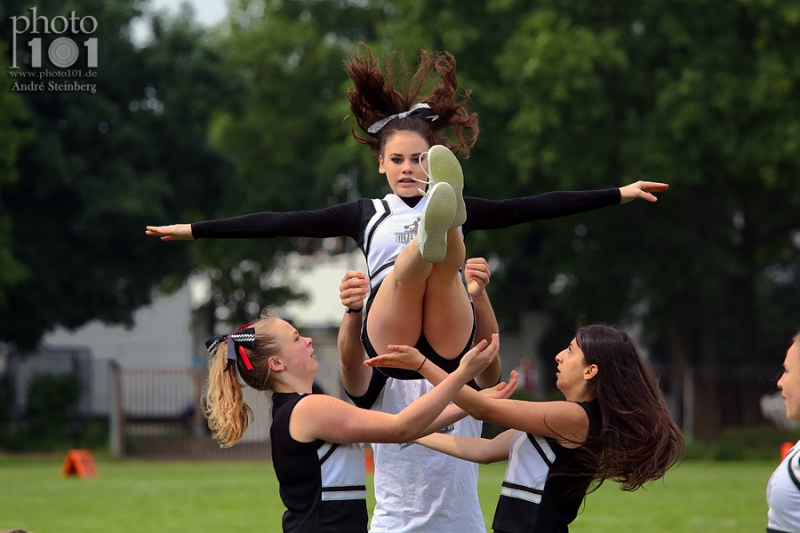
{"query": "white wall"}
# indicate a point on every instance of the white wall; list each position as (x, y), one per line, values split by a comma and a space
(318, 276)
(161, 335)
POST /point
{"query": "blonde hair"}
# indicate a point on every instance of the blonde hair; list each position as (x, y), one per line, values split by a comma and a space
(224, 406)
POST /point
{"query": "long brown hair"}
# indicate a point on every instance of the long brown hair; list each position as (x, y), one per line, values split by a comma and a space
(224, 406)
(377, 95)
(638, 439)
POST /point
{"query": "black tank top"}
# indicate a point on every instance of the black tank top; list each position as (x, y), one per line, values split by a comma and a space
(543, 493)
(322, 484)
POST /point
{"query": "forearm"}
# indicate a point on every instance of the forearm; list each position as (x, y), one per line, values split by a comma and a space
(476, 450)
(355, 376)
(424, 410)
(486, 321)
(491, 376)
(334, 221)
(486, 326)
(467, 398)
(496, 214)
(450, 415)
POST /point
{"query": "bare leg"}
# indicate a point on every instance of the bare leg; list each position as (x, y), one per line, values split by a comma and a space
(447, 313)
(417, 295)
(395, 316)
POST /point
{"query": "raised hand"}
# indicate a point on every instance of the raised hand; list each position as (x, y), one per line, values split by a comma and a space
(477, 273)
(479, 357)
(503, 390)
(400, 356)
(353, 289)
(643, 190)
(176, 232)
(409, 358)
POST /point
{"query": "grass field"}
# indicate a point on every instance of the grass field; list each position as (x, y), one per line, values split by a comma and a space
(132, 496)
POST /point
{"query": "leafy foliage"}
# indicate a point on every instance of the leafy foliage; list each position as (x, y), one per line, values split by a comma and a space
(702, 96)
(287, 139)
(96, 168)
(572, 94)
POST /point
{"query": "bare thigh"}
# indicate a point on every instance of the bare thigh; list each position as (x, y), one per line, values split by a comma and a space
(447, 314)
(395, 316)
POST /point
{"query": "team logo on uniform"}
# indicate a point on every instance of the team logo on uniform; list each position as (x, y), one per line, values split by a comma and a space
(408, 233)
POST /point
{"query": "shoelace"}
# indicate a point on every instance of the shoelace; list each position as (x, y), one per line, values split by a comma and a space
(425, 194)
(429, 180)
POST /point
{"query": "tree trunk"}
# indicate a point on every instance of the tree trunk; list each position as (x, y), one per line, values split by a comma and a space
(707, 413)
(678, 370)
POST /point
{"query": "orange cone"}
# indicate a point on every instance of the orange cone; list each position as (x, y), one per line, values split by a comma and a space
(80, 463)
(370, 462)
(785, 447)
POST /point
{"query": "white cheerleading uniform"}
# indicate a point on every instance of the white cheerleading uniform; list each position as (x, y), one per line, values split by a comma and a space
(322, 484)
(418, 490)
(387, 232)
(544, 483)
(382, 227)
(783, 495)
(446, 499)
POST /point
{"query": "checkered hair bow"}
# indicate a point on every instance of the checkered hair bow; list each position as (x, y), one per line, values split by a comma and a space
(244, 337)
(421, 110)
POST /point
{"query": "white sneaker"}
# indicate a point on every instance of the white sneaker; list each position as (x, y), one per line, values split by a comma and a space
(443, 167)
(437, 218)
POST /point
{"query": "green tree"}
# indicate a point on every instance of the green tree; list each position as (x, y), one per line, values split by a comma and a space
(700, 95)
(291, 149)
(51, 412)
(97, 167)
(12, 135)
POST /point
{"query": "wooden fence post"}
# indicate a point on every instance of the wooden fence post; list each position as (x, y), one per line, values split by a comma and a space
(117, 413)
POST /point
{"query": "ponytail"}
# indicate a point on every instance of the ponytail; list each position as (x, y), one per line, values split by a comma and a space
(227, 413)
(224, 406)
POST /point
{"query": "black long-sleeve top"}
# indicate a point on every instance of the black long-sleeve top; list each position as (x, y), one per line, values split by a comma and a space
(350, 218)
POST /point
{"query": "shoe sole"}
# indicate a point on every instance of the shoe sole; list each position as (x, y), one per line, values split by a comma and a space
(444, 167)
(437, 218)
